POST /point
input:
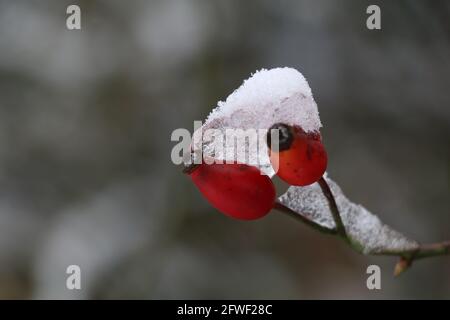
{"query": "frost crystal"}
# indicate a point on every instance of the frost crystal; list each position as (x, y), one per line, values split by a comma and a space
(365, 229)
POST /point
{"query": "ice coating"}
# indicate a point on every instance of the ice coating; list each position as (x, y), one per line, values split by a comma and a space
(365, 229)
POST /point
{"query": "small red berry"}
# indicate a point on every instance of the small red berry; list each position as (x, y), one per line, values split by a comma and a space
(237, 190)
(301, 159)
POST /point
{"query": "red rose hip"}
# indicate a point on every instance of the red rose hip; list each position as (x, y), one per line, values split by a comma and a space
(237, 190)
(301, 159)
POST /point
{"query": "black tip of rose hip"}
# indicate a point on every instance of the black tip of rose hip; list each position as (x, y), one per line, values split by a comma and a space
(285, 136)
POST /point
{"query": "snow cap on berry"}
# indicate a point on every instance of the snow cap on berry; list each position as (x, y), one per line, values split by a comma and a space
(280, 95)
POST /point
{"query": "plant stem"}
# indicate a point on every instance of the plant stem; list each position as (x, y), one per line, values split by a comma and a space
(326, 190)
(282, 208)
(433, 249)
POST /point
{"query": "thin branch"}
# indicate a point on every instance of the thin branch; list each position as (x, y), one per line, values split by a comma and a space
(424, 251)
(326, 190)
(282, 208)
(433, 249)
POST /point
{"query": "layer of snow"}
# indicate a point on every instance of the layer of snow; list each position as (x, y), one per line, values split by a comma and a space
(267, 97)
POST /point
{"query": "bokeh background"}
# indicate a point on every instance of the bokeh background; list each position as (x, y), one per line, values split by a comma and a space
(85, 124)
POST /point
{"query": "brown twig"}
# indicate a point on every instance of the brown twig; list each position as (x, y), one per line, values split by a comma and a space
(433, 249)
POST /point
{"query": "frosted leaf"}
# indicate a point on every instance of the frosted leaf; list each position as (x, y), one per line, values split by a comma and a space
(366, 231)
(267, 97)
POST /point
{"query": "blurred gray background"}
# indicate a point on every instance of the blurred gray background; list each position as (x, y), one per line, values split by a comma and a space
(85, 124)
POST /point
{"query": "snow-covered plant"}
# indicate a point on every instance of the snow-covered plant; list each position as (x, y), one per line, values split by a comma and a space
(281, 99)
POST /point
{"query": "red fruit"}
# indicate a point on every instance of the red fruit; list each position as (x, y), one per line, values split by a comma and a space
(237, 190)
(301, 159)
